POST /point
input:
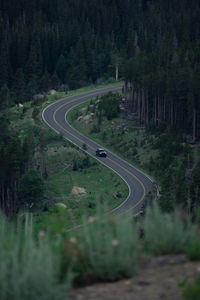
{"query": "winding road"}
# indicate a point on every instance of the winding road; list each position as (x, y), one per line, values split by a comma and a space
(139, 184)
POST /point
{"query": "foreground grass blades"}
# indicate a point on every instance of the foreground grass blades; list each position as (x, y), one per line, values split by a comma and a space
(111, 246)
(29, 269)
(41, 265)
(166, 233)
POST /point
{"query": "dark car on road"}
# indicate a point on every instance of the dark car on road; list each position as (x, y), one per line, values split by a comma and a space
(101, 152)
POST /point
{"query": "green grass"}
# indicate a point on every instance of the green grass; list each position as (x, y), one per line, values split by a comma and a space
(108, 247)
(39, 260)
(30, 268)
(99, 182)
(192, 290)
(166, 233)
(111, 245)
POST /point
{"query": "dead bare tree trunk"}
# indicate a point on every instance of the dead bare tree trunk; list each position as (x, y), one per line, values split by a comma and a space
(116, 72)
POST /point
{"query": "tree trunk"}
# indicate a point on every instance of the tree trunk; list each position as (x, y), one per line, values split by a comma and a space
(171, 114)
(194, 124)
(155, 111)
(116, 72)
(42, 163)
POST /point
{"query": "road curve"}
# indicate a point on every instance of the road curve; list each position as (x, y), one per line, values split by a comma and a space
(139, 184)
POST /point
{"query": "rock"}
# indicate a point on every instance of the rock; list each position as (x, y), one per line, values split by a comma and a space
(52, 92)
(87, 117)
(78, 190)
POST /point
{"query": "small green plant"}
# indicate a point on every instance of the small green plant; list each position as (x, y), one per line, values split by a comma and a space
(31, 188)
(84, 146)
(95, 129)
(192, 290)
(110, 245)
(193, 248)
(165, 233)
(29, 269)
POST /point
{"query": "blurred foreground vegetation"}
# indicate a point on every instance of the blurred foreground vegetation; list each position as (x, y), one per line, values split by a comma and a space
(44, 263)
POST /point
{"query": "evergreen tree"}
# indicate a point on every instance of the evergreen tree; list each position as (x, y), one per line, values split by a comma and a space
(45, 83)
(5, 99)
(61, 68)
(19, 86)
(31, 188)
(5, 68)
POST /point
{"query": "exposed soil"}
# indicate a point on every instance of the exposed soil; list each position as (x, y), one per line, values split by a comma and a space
(161, 277)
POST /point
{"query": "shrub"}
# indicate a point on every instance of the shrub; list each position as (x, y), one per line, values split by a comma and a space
(84, 146)
(31, 187)
(193, 248)
(95, 129)
(192, 290)
(110, 245)
(165, 233)
(109, 105)
(29, 269)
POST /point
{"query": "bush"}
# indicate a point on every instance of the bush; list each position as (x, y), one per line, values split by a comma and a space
(109, 105)
(192, 291)
(29, 269)
(95, 129)
(31, 187)
(110, 246)
(193, 248)
(165, 233)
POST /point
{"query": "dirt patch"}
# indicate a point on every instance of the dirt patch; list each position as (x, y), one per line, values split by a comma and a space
(157, 278)
(78, 190)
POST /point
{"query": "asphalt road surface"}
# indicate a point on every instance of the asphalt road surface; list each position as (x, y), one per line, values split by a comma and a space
(139, 184)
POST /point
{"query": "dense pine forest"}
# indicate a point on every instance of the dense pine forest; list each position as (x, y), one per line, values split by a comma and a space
(153, 45)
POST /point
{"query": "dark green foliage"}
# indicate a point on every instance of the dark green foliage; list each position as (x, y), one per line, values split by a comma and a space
(194, 187)
(5, 99)
(80, 164)
(75, 165)
(15, 156)
(152, 44)
(84, 146)
(69, 38)
(19, 86)
(192, 290)
(35, 113)
(173, 170)
(61, 68)
(31, 188)
(109, 105)
(193, 249)
(95, 129)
